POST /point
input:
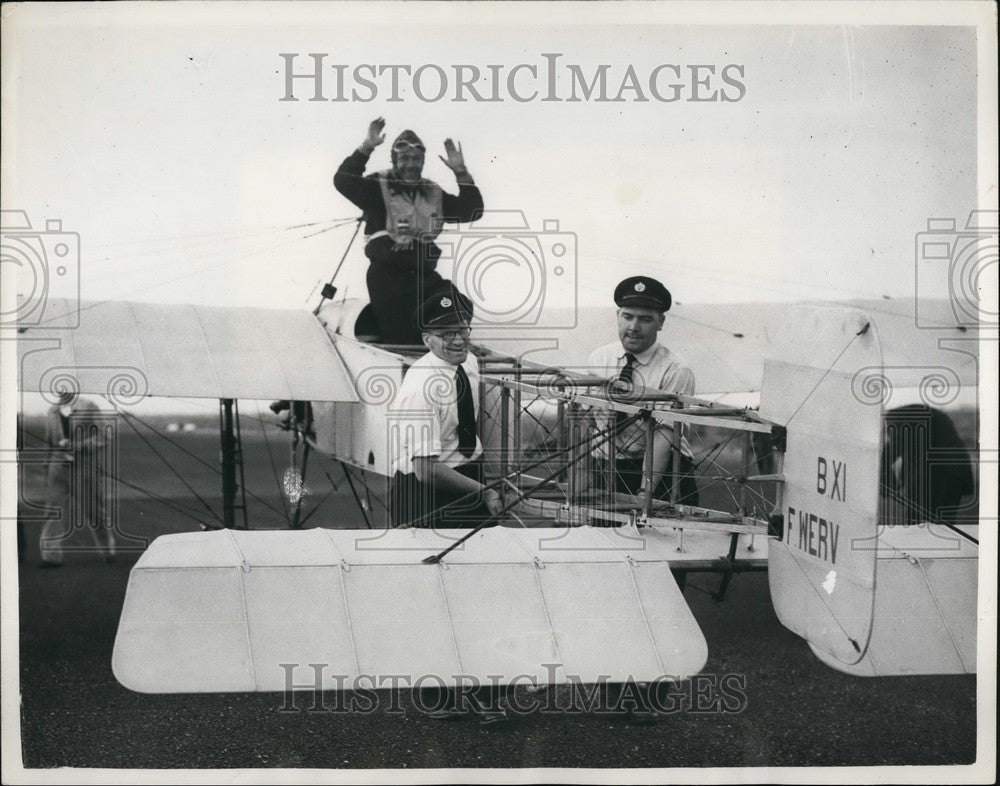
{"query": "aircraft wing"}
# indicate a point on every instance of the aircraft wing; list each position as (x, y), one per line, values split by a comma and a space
(131, 350)
(726, 343)
(251, 610)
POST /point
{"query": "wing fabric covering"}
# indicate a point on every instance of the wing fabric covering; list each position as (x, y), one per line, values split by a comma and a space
(131, 350)
(222, 611)
(925, 605)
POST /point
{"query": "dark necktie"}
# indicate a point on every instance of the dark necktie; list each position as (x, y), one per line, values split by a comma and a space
(466, 414)
(625, 383)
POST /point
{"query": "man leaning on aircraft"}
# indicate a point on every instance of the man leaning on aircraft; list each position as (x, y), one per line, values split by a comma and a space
(637, 363)
(440, 456)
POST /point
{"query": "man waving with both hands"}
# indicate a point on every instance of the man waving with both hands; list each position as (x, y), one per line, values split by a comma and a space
(404, 213)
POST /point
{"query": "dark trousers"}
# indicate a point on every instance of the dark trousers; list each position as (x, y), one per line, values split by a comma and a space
(421, 505)
(398, 281)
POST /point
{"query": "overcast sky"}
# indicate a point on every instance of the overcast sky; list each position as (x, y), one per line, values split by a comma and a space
(160, 138)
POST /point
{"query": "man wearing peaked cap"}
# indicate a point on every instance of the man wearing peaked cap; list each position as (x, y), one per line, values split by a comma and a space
(445, 306)
(635, 364)
(439, 454)
(638, 363)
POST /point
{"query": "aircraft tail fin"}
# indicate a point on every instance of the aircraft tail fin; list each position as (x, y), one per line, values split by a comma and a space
(869, 599)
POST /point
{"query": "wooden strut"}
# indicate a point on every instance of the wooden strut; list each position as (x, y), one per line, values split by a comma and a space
(647, 502)
(554, 377)
(728, 563)
(299, 428)
(504, 430)
(232, 457)
(738, 420)
(686, 517)
(330, 290)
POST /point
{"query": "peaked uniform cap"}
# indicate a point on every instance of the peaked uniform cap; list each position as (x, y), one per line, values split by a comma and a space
(444, 308)
(642, 291)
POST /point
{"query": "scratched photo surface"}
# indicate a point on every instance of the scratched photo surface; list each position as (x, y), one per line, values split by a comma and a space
(180, 275)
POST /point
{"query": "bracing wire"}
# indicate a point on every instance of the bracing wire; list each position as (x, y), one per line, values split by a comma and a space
(198, 458)
(202, 269)
(172, 469)
(185, 510)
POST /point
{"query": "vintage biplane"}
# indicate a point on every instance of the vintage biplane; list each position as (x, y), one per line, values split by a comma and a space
(877, 582)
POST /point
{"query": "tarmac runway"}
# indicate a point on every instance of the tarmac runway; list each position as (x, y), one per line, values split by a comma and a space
(795, 711)
(763, 700)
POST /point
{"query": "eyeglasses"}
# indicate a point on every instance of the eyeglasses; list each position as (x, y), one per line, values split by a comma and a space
(452, 335)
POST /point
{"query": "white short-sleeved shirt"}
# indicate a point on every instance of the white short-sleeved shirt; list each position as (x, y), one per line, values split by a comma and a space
(655, 369)
(424, 416)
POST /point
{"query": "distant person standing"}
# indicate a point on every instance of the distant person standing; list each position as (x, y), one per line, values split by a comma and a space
(404, 213)
(76, 479)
